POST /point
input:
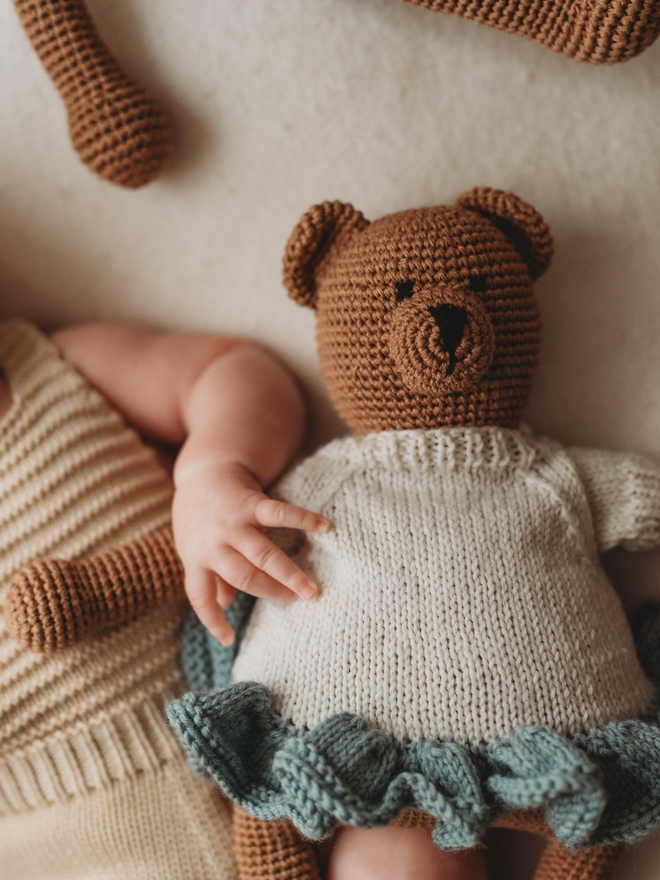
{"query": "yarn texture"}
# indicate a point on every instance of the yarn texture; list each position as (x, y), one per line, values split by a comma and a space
(383, 359)
(461, 589)
(119, 131)
(599, 32)
(54, 604)
(92, 781)
(208, 664)
(272, 852)
(475, 691)
(600, 787)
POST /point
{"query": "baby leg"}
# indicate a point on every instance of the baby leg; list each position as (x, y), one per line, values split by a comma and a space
(400, 853)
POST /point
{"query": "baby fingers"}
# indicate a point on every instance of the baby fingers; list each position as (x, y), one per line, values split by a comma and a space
(208, 594)
(256, 566)
(279, 515)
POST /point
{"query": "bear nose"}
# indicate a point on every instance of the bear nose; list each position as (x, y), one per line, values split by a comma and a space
(451, 323)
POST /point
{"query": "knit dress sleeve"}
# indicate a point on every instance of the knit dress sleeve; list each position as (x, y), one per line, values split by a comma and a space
(623, 491)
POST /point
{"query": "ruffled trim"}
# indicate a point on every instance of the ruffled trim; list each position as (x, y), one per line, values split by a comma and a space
(600, 787)
(206, 663)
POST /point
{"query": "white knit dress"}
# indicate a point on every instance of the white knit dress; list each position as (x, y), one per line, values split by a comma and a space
(462, 593)
(467, 656)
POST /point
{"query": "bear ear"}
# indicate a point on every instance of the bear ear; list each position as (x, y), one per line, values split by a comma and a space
(315, 234)
(522, 224)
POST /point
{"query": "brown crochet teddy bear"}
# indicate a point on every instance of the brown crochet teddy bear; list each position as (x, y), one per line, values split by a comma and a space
(451, 674)
(467, 664)
(600, 32)
(118, 130)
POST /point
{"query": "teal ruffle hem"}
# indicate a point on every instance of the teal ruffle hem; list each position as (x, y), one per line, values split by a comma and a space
(600, 787)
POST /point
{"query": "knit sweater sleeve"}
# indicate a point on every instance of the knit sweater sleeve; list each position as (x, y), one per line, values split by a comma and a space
(623, 491)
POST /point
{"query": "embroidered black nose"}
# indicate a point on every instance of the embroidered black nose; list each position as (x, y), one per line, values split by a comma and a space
(451, 323)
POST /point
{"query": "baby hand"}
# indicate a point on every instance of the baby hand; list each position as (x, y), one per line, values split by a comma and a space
(218, 516)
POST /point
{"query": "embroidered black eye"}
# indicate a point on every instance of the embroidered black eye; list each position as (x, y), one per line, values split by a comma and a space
(404, 290)
(478, 283)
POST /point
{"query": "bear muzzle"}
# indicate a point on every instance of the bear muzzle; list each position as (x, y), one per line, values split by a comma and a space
(442, 340)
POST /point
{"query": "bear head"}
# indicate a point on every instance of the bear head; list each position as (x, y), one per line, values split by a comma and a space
(425, 318)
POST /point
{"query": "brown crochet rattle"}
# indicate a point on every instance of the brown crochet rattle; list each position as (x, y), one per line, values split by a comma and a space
(118, 130)
(597, 31)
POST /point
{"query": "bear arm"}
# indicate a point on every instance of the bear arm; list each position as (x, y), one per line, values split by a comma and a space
(623, 491)
(53, 604)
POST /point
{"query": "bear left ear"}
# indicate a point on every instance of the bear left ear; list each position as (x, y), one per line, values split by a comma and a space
(315, 233)
(521, 223)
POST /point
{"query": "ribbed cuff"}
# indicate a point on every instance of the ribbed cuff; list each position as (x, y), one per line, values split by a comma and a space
(83, 760)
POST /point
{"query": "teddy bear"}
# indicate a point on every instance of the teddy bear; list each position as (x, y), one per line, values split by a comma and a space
(603, 32)
(118, 130)
(467, 663)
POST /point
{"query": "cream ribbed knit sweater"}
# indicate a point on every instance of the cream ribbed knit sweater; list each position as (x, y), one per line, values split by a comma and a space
(462, 592)
(92, 782)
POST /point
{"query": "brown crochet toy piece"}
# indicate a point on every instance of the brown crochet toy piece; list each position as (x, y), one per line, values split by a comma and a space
(277, 851)
(597, 31)
(270, 850)
(53, 604)
(463, 349)
(118, 130)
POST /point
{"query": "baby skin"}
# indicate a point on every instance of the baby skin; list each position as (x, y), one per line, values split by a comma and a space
(399, 854)
(238, 418)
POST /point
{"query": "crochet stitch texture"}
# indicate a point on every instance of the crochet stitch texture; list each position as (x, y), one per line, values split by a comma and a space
(373, 698)
(371, 341)
(53, 604)
(92, 781)
(599, 32)
(118, 130)
(462, 593)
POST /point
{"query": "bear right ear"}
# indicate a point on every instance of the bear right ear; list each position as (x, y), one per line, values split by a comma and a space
(315, 234)
(522, 224)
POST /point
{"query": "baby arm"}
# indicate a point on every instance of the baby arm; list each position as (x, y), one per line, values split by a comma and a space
(240, 418)
(623, 491)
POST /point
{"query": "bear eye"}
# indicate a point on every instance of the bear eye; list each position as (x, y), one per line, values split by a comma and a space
(404, 290)
(478, 283)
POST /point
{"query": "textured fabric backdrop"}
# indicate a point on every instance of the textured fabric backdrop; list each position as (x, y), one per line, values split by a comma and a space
(280, 105)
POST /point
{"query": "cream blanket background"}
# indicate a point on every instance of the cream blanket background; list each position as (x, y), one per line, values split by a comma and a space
(278, 105)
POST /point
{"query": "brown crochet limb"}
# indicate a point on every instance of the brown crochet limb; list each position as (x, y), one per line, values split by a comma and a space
(413, 819)
(53, 604)
(557, 862)
(117, 129)
(597, 31)
(276, 850)
(525, 820)
(272, 850)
